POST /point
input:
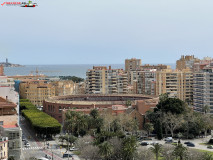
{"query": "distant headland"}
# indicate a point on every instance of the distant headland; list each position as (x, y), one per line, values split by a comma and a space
(7, 64)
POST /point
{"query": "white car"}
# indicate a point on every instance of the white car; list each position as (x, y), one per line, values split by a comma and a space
(73, 149)
(27, 145)
(168, 139)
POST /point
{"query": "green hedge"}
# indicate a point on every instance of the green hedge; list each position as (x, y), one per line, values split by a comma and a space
(42, 123)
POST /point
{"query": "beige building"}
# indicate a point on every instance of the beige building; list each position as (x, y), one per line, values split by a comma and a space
(143, 82)
(36, 91)
(157, 67)
(101, 80)
(3, 148)
(176, 83)
(132, 64)
(66, 87)
(186, 62)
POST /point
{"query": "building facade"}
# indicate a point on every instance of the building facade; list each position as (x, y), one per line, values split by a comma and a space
(176, 83)
(203, 89)
(65, 87)
(186, 62)
(143, 82)
(85, 103)
(3, 148)
(36, 91)
(132, 64)
(156, 67)
(101, 80)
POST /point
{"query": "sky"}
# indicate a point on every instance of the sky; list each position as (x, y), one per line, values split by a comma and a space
(105, 31)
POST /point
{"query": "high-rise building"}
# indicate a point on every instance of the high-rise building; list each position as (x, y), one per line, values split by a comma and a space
(36, 90)
(101, 80)
(132, 64)
(143, 81)
(186, 62)
(157, 67)
(198, 66)
(176, 83)
(203, 89)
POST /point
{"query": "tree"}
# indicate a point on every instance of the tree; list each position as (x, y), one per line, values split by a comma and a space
(144, 154)
(129, 148)
(172, 122)
(156, 149)
(167, 152)
(180, 151)
(128, 103)
(148, 127)
(94, 113)
(83, 141)
(105, 150)
(206, 109)
(207, 156)
(90, 152)
(173, 105)
(117, 148)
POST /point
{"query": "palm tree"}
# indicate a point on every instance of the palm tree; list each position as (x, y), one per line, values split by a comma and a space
(156, 149)
(105, 150)
(180, 151)
(129, 148)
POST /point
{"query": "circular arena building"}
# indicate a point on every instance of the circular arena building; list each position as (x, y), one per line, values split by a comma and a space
(117, 103)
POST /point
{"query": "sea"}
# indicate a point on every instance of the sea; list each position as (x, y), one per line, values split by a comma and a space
(78, 70)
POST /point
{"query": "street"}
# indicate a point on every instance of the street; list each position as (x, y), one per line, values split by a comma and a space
(36, 148)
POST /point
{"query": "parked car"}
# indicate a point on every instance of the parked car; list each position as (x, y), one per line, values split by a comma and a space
(190, 144)
(168, 138)
(67, 155)
(187, 143)
(144, 143)
(27, 145)
(169, 141)
(73, 149)
(210, 147)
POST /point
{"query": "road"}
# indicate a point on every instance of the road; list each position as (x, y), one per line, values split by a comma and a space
(197, 143)
(36, 148)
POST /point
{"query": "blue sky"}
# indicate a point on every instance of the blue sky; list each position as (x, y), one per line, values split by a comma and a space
(106, 31)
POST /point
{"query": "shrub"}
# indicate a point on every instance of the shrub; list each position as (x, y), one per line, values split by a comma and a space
(41, 122)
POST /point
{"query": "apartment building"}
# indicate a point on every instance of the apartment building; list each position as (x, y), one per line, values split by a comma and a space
(132, 64)
(203, 89)
(65, 87)
(36, 90)
(143, 81)
(156, 67)
(3, 148)
(10, 129)
(176, 83)
(186, 62)
(103, 80)
(198, 66)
